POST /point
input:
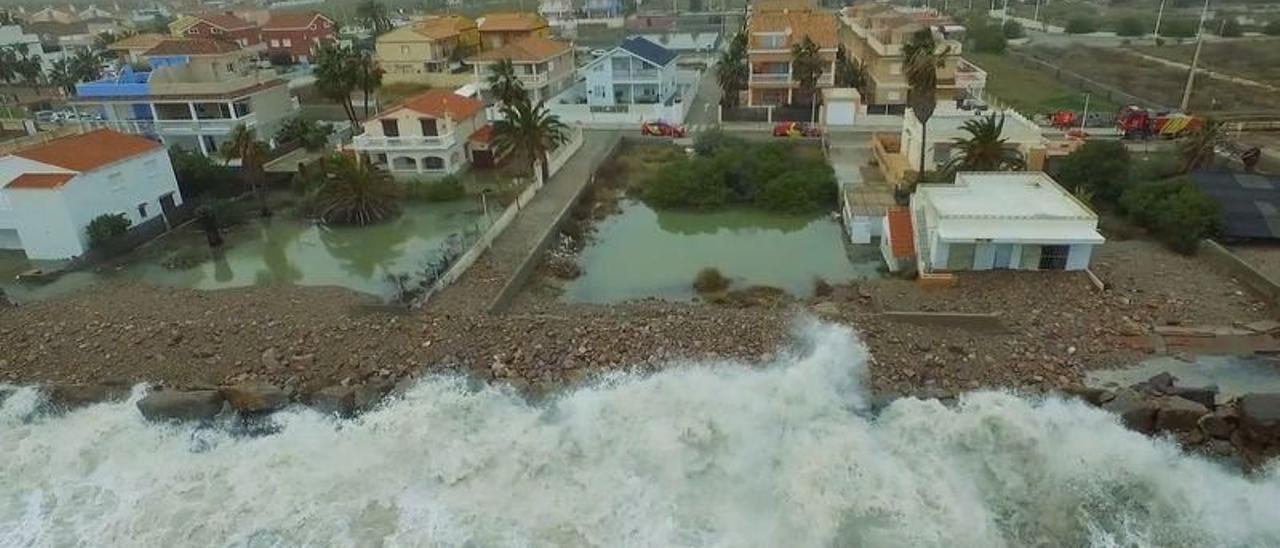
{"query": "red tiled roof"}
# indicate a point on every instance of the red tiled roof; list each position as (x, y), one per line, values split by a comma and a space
(191, 46)
(439, 102)
(900, 237)
(529, 49)
(292, 20)
(41, 180)
(482, 135)
(511, 22)
(225, 21)
(89, 151)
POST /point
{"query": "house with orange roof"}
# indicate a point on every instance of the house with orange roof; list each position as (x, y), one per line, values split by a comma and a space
(544, 66)
(428, 51)
(50, 192)
(130, 49)
(429, 135)
(875, 34)
(225, 26)
(773, 29)
(294, 36)
(500, 29)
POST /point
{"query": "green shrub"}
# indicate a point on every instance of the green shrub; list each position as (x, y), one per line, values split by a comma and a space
(988, 38)
(712, 141)
(1099, 167)
(447, 189)
(1081, 25)
(1175, 212)
(1179, 28)
(312, 135)
(106, 227)
(198, 175)
(769, 176)
(1272, 28)
(1131, 26)
(710, 280)
(1013, 30)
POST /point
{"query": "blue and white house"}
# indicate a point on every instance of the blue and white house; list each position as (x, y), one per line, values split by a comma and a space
(602, 9)
(638, 72)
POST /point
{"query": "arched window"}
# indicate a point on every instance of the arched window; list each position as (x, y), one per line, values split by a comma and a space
(433, 162)
(404, 163)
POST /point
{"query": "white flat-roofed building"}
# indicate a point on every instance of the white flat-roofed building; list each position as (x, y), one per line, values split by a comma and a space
(1002, 220)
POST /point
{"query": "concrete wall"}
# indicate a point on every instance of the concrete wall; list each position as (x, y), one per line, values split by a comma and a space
(1227, 261)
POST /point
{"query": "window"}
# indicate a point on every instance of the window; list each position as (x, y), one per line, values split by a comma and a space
(1054, 257)
(275, 43)
(142, 210)
(960, 256)
(429, 128)
(771, 40)
(4, 203)
(404, 50)
(390, 128)
(895, 68)
(941, 153)
(433, 162)
(895, 96)
(286, 42)
(231, 67)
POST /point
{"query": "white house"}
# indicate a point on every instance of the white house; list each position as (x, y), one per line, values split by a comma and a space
(636, 72)
(1001, 220)
(49, 193)
(428, 135)
(947, 125)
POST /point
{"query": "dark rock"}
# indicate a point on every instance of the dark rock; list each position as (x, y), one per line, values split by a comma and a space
(181, 405)
(71, 396)
(1203, 395)
(255, 398)
(1220, 424)
(1095, 396)
(334, 400)
(368, 396)
(1158, 384)
(1177, 414)
(1136, 412)
(1260, 417)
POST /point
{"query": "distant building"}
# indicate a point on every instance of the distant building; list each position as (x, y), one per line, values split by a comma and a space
(1004, 220)
(875, 34)
(500, 29)
(131, 49)
(773, 29)
(600, 9)
(544, 66)
(426, 136)
(297, 35)
(224, 26)
(556, 11)
(49, 193)
(52, 15)
(429, 51)
(636, 72)
(947, 125)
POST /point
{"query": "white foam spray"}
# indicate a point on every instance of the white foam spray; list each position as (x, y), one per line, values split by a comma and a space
(705, 455)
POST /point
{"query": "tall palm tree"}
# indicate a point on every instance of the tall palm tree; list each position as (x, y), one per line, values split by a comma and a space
(86, 66)
(732, 75)
(337, 76)
(368, 76)
(355, 193)
(530, 130)
(985, 150)
(1198, 149)
(61, 75)
(243, 144)
(806, 67)
(850, 72)
(923, 59)
(505, 84)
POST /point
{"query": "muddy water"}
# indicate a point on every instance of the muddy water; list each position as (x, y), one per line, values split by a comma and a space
(642, 252)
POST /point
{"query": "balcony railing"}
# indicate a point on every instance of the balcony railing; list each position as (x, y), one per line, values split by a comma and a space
(403, 143)
(646, 75)
(781, 77)
(154, 127)
(826, 79)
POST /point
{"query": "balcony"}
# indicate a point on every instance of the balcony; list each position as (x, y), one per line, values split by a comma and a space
(375, 142)
(221, 87)
(213, 126)
(636, 76)
(777, 79)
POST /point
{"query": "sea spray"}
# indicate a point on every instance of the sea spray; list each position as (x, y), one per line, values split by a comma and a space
(700, 454)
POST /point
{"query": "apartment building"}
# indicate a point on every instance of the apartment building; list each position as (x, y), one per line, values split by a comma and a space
(544, 66)
(196, 91)
(875, 35)
(773, 28)
(429, 51)
(500, 29)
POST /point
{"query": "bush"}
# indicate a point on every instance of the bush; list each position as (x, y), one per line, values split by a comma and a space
(310, 134)
(1272, 28)
(1081, 25)
(1013, 30)
(1130, 26)
(1175, 212)
(447, 189)
(988, 38)
(1179, 28)
(198, 175)
(106, 227)
(1228, 28)
(1099, 167)
(226, 213)
(710, 280)
(769, 176)
(709, 142)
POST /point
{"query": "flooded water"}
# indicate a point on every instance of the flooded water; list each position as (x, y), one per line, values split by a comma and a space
(284, 249)
(697, 455)
(1233, 375)
(642, 252)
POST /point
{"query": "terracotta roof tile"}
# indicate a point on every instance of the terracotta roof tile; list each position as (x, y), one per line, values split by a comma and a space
(900, 236)
(225, 21)
(41, 180)
(440, 102)
(138, 41)
(530, 48)
(191, 46)
(287, 20)
(482, 135)
(508, 22)
(762, 6)
(822, 28)
(89, 151)
(440, 27)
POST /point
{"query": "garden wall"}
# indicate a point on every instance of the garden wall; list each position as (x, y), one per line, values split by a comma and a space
(1236, 267)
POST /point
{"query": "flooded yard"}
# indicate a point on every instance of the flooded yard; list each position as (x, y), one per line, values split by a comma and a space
(641, 252)
(283, 249)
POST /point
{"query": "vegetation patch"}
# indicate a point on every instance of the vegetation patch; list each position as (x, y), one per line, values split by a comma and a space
(710, 280)
(447, 189)
(1033, 91)
(106, 227)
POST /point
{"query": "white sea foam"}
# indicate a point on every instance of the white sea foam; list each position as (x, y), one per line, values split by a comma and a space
(716, 455)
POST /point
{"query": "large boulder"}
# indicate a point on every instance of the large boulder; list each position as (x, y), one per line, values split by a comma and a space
(1095, 396)
(1136, 412)
(181, 405)
(72, 396)
(1177, 414)
(334, 400)
(1260, 417)
(1220, 424)
(1203, 395)
(255, 398)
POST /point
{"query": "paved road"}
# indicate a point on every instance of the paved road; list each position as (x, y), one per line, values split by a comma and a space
(482, 283)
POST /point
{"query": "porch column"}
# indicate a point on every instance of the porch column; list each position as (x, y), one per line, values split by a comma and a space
(192, 107)
(204, 151)
(231, 109)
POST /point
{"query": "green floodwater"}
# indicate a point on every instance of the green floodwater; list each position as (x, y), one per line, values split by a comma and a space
(641, 252)
(283, 249)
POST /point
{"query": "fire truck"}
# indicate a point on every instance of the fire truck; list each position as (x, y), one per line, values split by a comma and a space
(1140, 123)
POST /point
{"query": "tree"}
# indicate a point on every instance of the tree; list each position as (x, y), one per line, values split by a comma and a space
(1100, 167)
(337, 76)
(368, 76)
(850, 73)
(106, 227)
(62, 75)
(1176, 212)
(806, 67)
(1081, 25)
(1229, 28)
(1130, 26)
(985, 150)
(1013, 30)
(354, 193)
(243, 144)
(374, 14)
(923, 58)
(731, 75)
(530, 130)
(310, 134)
(505, 84)
(1180, 28)
(1198, 149)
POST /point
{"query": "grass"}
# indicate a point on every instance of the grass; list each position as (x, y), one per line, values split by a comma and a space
(1106, 15)
(1257, 60)
(399, 91)
(1032, 91)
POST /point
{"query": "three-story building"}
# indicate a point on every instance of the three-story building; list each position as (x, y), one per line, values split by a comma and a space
(773, 30)
(429, 51)
(425, 136)
(544, 66)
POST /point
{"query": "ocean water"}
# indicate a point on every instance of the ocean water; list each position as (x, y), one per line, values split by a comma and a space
(700, 454)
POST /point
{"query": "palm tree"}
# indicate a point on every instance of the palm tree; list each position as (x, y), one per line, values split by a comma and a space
(850, 72)
(368, 76)
(732, 75)
(1199, 148)
(923, 58)
(61, 75)
(985, 150)
(357, 193)
(337, 75)
(505, 84)
(374, 14)
(806, 67)
(243, 144)
(530, 130)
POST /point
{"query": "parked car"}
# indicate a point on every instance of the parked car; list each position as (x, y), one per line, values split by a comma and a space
(796, 129)
(662, 128)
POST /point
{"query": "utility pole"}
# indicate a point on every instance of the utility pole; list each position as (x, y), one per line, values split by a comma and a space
(1036, 17)
(1159, 16)
(1195, 58)
(1004, 14)
(1085, 117)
